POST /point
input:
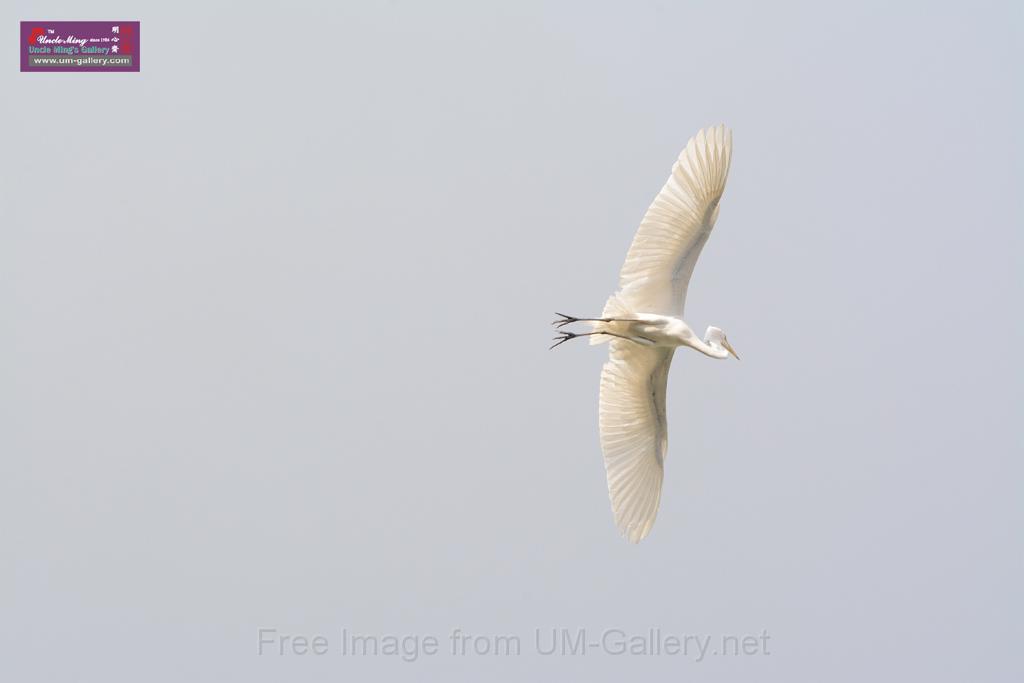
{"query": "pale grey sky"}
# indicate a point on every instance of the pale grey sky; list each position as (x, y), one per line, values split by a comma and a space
(274, 340)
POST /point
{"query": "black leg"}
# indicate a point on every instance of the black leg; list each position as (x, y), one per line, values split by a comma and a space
(566, 336)
(567, 319)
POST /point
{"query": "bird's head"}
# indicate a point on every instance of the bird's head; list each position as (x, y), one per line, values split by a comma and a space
(715, 337)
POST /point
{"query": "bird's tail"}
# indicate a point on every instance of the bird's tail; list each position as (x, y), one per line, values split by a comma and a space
(614, 308)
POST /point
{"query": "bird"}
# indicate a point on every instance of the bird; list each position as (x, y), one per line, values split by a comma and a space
(643, 323)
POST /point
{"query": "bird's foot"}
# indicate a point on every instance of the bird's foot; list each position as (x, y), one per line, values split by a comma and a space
(564, 320)
(563, 337)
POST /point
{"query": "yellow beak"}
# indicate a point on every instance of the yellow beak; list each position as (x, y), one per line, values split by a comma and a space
(728, 347)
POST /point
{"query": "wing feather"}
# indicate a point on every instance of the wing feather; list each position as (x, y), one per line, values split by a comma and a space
(660, 261)
(634, 432)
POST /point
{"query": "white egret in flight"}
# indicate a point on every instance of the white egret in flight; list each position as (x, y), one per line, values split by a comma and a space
(643, 322)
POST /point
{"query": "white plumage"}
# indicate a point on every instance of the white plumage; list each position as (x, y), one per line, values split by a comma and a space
(643, 321)
(634, 432)
(676, 226)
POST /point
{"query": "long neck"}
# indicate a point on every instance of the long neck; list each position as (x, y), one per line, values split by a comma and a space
(714, 349)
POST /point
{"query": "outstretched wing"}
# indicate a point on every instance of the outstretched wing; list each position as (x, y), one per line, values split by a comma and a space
(660, 261)
(634, 432)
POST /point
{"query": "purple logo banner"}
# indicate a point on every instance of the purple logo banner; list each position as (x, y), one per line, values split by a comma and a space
(79, 46)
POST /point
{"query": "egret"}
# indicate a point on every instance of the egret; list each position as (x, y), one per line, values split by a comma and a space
(643, 323)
